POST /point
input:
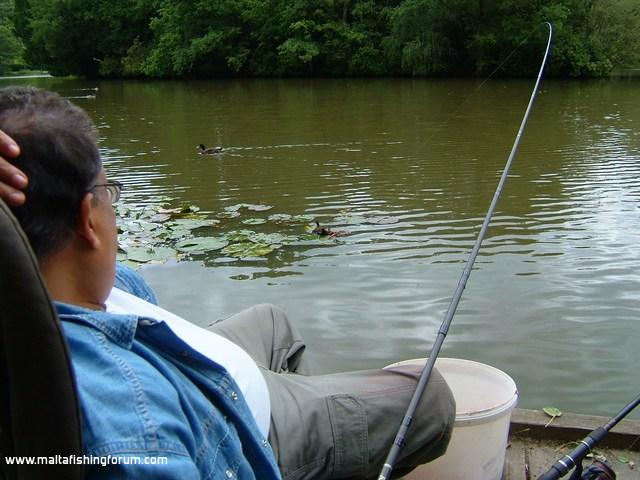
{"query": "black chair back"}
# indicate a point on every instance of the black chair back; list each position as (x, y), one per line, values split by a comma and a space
(39, 413)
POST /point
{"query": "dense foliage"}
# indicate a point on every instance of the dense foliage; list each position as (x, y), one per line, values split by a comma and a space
(168, 38)
(10, 46)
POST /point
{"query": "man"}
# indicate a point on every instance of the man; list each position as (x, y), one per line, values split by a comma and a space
(153, 385)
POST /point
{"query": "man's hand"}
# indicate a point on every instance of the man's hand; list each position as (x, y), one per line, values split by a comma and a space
(12, 180)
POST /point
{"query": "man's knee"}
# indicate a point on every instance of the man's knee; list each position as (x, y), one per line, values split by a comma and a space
(438, 409)
(433, 419)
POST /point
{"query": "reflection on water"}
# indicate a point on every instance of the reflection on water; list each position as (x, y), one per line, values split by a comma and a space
(553, 299)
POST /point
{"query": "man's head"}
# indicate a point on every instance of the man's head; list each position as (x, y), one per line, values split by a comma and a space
(67, 207)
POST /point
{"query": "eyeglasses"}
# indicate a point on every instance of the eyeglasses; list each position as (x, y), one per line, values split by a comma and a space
(113, 189)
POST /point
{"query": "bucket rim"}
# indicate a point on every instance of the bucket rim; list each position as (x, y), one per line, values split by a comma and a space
(478, 416)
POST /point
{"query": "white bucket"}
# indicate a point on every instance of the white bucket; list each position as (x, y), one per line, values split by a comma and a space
(485, 397)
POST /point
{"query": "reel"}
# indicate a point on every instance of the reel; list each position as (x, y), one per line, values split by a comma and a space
(598, 471)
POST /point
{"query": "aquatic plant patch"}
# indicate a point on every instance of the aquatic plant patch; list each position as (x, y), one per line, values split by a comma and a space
(158, 233)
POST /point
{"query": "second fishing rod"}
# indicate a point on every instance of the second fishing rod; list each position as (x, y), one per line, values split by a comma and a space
(399, 440)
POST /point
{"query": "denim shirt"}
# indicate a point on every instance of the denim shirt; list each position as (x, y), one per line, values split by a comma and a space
(146, 394)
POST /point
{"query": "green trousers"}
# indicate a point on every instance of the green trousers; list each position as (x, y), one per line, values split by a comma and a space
(339, 425)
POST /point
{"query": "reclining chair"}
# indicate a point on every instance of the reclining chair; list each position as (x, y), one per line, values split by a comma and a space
(39, 412)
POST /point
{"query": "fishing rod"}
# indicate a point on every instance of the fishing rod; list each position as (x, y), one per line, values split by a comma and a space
(444, 328)
(574, 459)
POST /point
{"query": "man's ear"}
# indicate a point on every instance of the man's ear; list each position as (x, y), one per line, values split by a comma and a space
(86, 227)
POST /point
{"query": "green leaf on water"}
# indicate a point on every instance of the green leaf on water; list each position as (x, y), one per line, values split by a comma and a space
(201, 244)
(247, 249)
(623, 459)
(240, 235)
(191, 223)
(259, 208)
(150, 254)
(290, 219)
(254, 221)
(159, 217)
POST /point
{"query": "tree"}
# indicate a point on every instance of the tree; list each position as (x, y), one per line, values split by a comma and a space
(82, 37)
(175, 38)
(10, 46)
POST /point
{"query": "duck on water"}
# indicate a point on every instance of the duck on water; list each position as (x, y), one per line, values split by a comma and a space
(209, 150)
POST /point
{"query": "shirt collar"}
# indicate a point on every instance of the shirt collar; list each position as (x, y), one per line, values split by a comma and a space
(121, 329)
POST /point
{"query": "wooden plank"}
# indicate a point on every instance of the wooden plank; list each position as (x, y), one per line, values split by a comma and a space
(574, 427)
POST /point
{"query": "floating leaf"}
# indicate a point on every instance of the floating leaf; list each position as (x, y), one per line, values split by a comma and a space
(268, 238)
(191, 223)
(234, 208)
(248, 206)
(201, 244)
(254, 221)
(291, 219)
(623, 459)
(150, 254)
(229, 214)
(259, 208)
(160, 217)
(175, 234)
(240, 235)
(247, 249)
(280, 218)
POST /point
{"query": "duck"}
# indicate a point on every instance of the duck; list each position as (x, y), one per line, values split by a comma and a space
(322, 231)
(210, 150)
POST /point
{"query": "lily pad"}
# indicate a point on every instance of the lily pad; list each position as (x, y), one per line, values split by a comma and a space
(290, 219)
(201, 244)
(247, 249)
(150, 254)
(160, 217)
(259, 208)
(228, 214)
(248, 206)
(254, 221)
(240, 235)
(268, 238)
(191, 223)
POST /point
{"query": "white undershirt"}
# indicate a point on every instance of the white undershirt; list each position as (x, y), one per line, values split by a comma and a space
(234, 359)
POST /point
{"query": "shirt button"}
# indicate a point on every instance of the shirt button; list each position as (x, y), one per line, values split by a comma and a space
(265, 443)
(234, 396)
(228, 473)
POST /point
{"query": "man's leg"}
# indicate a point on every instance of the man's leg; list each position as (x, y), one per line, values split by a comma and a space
(265, 333)
(342, 425)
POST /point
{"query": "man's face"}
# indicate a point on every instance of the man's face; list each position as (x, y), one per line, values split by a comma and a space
(106, 223)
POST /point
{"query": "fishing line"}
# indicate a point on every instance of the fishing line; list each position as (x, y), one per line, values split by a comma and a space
(444, 328)
(489, 77)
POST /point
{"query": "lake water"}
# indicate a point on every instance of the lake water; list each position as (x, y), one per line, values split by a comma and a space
(406, 169)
